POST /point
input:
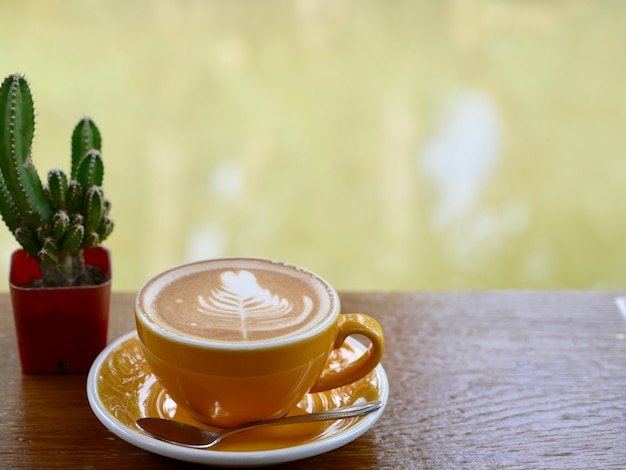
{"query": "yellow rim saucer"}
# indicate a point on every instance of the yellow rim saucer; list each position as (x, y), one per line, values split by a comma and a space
(121, 388)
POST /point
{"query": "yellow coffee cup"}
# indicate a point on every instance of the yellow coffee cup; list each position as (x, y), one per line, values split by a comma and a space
(235, 340)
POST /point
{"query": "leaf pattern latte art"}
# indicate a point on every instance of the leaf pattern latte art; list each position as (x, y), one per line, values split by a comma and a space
(240, 303)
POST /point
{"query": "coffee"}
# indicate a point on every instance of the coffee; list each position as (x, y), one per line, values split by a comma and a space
(237, 300)
(235, 340)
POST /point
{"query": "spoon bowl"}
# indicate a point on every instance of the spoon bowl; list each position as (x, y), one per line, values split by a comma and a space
(176, 432)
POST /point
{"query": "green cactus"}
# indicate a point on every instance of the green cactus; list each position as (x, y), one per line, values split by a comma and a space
(56, 222)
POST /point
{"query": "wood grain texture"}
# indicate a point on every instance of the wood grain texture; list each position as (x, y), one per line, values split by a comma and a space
(478, 380)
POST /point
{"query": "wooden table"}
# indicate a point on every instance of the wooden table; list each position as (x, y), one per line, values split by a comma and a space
(478, 380)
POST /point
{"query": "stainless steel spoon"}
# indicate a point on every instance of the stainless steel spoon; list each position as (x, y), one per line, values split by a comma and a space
(187, 435)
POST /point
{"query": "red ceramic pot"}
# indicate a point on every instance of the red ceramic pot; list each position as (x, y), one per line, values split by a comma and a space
(61, 329)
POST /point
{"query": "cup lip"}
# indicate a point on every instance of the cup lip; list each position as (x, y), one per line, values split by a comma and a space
(226, 346)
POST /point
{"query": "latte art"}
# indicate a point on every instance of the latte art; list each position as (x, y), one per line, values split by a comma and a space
(239, 303)
(237, 300)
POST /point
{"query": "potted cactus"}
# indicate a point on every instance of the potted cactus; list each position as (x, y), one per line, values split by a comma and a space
(60, 280)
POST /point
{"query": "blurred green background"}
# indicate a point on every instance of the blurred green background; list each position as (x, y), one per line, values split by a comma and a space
(386, 145)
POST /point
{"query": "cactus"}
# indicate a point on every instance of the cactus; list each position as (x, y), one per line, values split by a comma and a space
(56, 222)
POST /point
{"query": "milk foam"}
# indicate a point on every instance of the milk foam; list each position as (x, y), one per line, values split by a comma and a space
(237, 300)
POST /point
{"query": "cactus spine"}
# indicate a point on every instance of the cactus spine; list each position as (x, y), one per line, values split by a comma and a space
(53, 223)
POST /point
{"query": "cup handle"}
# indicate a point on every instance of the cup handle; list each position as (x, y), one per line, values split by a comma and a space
(354, 324)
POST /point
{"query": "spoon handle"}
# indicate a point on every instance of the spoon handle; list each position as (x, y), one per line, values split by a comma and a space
(337, 413)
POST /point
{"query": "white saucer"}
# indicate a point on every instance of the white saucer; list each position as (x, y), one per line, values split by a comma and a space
(121, 389)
